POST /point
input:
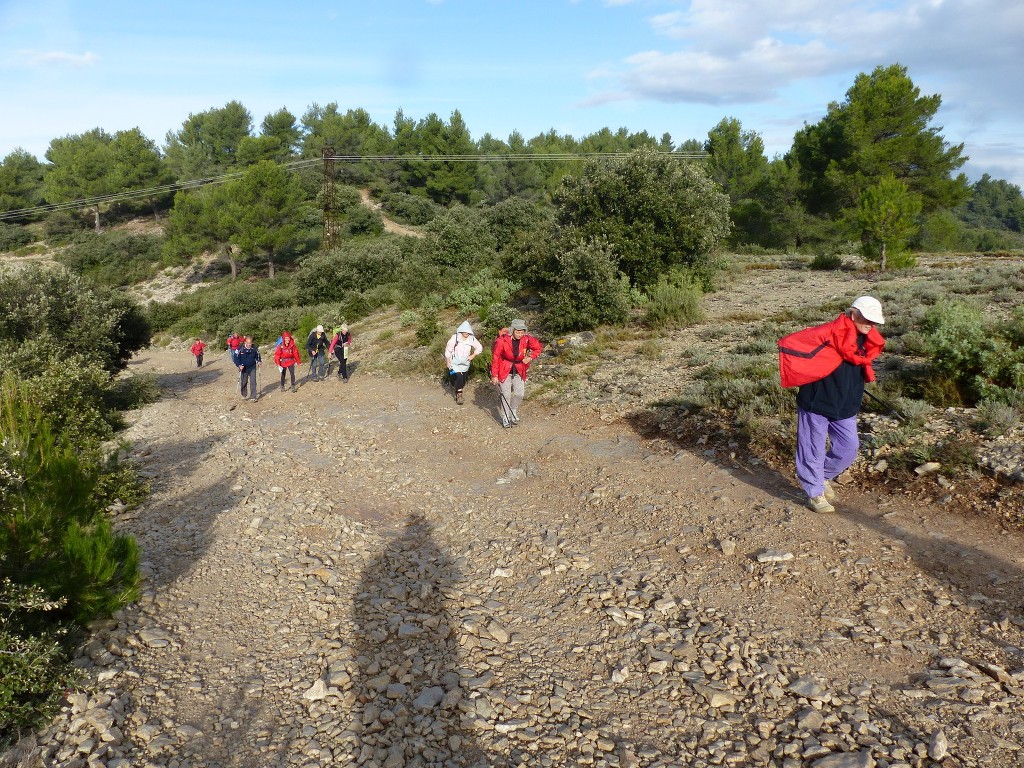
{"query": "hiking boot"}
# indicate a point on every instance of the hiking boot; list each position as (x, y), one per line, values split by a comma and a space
(515, 417)
(458, 398)
(820, 504)
(506, 424)
(294, 388)
(282, 387)
(830, 492)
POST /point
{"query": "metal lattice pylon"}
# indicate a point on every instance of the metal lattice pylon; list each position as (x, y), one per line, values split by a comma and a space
(330, 205)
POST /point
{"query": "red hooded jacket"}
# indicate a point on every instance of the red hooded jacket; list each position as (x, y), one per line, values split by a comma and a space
(813, 353)
(503, 360)
(287, 354)
(197, 347)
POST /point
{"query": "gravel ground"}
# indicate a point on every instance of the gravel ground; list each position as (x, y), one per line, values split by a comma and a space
(367, 574)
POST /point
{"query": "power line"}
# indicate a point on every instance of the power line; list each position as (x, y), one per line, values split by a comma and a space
(305, 163)
(133, 194)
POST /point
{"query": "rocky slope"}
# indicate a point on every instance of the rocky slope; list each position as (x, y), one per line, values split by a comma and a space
(367, 574)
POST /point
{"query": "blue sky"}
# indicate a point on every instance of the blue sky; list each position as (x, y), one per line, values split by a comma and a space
(574, 66)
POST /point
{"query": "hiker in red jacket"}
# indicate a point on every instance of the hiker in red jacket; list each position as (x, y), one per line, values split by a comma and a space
(197, 349)
(287, 357)
(830, 363)
(509, 367)
(235, 340)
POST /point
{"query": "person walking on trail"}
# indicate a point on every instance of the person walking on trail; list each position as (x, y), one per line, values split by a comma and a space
(509, 367)
(248, 359)
(234, 341)
(459, 352)
(287, 357)
(317, 345)
(830, 363)
(198, 347)
(341, 344)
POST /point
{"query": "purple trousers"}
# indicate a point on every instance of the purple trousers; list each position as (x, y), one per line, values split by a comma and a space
(815, 465)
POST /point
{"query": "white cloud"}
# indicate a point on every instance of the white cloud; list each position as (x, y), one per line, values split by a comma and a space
(76, 60)
(749, 50)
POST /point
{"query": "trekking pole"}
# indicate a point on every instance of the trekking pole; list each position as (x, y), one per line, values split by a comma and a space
(888, 406)
(507, 411)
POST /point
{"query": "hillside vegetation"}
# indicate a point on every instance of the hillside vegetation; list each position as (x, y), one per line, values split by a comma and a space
(612, 246)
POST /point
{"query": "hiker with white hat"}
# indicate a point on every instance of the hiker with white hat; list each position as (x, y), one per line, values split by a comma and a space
(317, 345)
(509, 366)
(459, 352)
(830, 363)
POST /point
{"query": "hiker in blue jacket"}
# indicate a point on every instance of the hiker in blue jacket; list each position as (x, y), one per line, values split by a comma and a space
(247, 358)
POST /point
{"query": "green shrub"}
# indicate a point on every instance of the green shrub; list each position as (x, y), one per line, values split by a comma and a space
(674, 301)
(114, 258)
(355, 266)
(411, 209)
(484, 289)
(827, 260)
(417, 280)
(35, 664)
(56, 534)
(47, 311)
(13, 236)
(364, 221)
(589, 291)
(429, 331)
(493, 318)
(997, 418)
(982, 358)
(130, 392)
(71, 393)
(459, 240)
(408, 318)
(510, 218)
(63, 226)
(163, 315)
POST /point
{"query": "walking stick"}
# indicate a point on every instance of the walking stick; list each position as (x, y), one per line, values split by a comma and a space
(888, 406)
(507, 413)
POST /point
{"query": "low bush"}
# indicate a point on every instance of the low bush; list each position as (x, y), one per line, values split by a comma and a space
(35, 665)
(14, 236)
(484, 289)
(410, 209)
(364, 221)
(114, 258)
(428, 331)
(827, 260)
(674, 301)
(589, 290)
(997, 418)
(56, 533)
(63, 226)
(357, 265)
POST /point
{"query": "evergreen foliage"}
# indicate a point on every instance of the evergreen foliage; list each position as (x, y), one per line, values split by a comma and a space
(588, 291)
(882, 128)
(654, 211)
(35, 669)
(888, 217)
(21, 181)
(116, 258)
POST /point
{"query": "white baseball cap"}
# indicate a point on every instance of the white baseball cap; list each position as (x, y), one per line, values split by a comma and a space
(870, 309)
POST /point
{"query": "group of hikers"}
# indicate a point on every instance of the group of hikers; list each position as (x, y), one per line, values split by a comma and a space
(511, 355)
(246, 357)
(829, 363)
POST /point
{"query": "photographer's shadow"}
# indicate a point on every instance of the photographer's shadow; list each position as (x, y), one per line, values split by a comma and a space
(407, 683)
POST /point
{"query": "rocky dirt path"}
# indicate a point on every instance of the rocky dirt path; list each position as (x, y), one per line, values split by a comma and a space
(367, 574)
